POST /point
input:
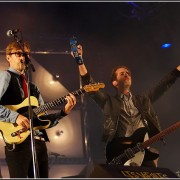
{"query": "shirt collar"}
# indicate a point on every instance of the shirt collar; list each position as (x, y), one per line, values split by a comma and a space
(124, 97)
(14, 71)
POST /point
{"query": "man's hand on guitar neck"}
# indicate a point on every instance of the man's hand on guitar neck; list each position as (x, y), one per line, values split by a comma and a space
(23, 121)
(71, 102)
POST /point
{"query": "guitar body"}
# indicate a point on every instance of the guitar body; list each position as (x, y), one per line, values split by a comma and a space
(14, 134)
(118, 146)
(23, 109)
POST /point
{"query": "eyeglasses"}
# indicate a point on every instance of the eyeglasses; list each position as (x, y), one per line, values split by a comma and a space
(19, 54)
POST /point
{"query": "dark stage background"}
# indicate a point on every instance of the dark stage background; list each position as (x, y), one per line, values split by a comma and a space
(111, 33)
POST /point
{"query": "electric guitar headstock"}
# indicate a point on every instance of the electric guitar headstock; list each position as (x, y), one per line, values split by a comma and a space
(93, 87)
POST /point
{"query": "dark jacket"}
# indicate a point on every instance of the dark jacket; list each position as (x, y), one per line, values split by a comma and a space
(111, 105)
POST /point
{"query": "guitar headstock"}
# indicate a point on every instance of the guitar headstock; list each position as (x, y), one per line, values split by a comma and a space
(93, 87)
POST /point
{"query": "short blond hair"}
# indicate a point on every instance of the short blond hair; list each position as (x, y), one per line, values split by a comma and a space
(15, 45)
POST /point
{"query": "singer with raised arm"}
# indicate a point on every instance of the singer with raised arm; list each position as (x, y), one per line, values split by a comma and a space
(13, 91)
(129, 118)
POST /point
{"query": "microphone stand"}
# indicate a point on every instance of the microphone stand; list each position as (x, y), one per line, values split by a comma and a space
(30, 111)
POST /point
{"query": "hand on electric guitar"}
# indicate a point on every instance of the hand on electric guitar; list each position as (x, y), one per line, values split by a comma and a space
(23, 121)
(71, 102)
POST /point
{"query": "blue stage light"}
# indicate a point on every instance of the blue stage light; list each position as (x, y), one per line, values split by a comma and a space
(166, 45)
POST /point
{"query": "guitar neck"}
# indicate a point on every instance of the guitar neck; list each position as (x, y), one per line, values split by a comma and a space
(161, 134)
(56, 102)
(153, 139)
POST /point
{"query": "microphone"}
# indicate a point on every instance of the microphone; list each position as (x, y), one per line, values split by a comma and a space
(11, 33)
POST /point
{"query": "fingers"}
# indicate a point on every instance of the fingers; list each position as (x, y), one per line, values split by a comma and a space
(26, 124)
(79, 47)
(23, 121)
(71, 99)
(80, 51)
(178, 67)
(71, 102)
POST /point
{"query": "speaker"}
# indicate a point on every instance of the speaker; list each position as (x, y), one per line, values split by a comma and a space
(117, 171)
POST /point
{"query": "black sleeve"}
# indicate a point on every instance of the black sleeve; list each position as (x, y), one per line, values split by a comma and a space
(163, 85)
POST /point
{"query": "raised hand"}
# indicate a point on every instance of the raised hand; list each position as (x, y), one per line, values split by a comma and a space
(76, 51)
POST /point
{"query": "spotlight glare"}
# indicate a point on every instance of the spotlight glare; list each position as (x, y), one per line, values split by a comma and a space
(51, 82)
(166, 45)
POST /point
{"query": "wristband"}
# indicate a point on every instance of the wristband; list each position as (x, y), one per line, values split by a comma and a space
(79, 60)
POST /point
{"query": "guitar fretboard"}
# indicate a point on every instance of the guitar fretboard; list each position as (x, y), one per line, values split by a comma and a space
(156, 137)
(56, 102)
(161, 134)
